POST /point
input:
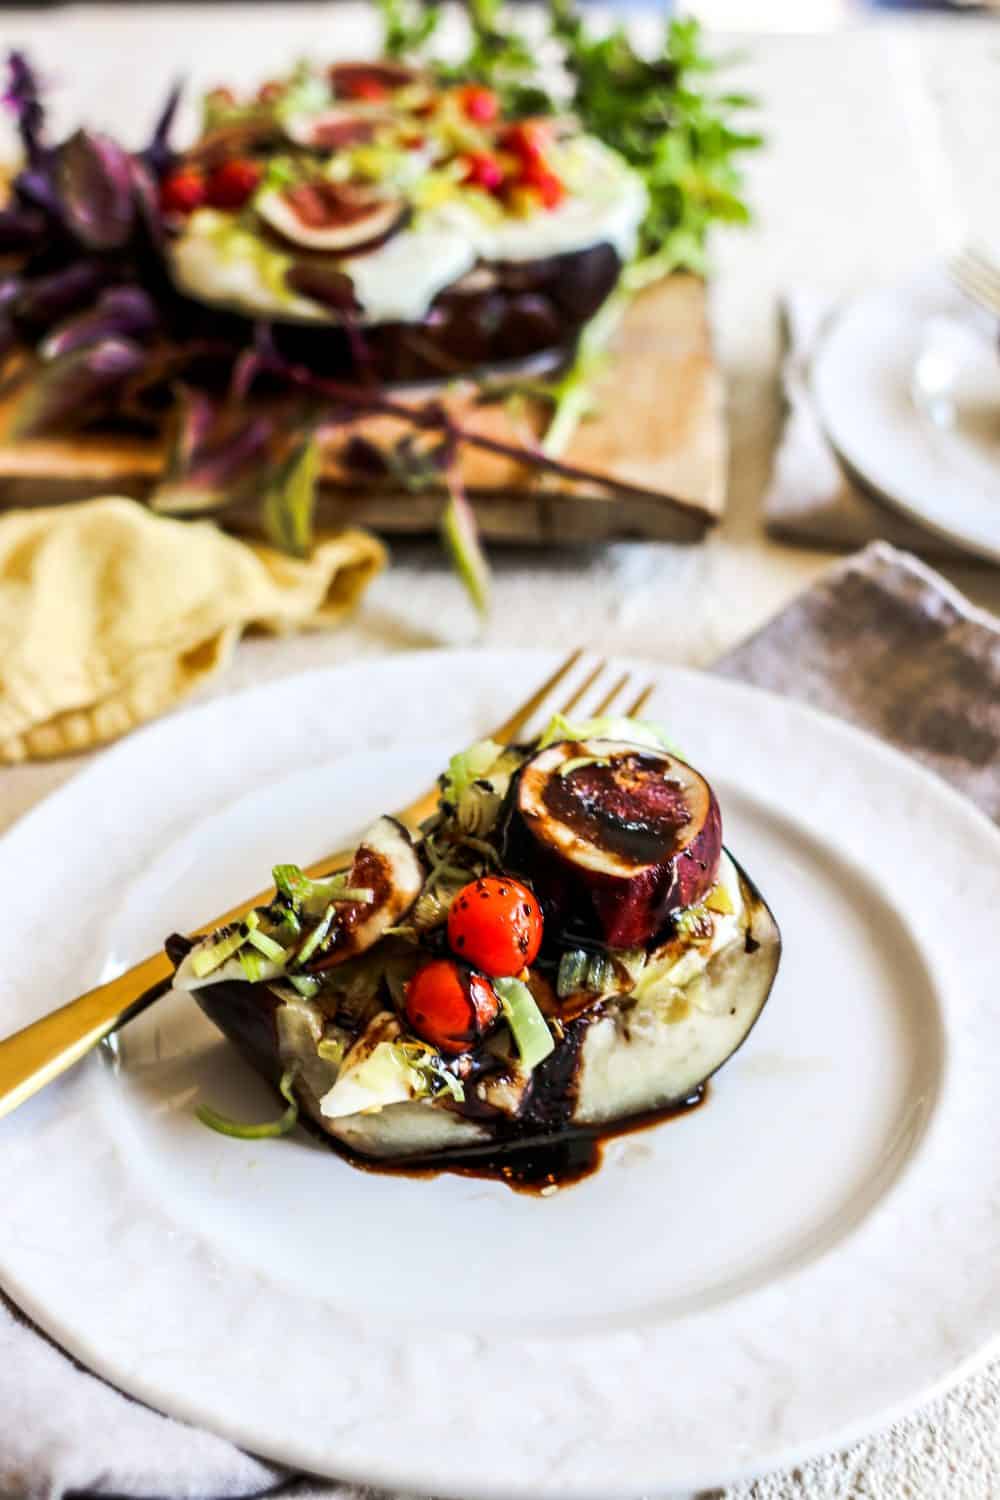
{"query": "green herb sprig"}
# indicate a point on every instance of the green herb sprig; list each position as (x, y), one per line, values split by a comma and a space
(661, 112)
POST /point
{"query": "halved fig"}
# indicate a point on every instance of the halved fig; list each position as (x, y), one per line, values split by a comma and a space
(354, 80)
(324, 284)
(386, 863)
(623, 835)
(337, 128)
(337, 217)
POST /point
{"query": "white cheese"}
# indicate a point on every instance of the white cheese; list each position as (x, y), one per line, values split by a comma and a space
(215, 262)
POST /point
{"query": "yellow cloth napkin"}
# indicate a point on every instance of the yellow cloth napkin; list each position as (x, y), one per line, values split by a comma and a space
(110, 614)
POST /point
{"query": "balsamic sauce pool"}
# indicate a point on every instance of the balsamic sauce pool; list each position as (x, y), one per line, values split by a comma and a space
(539, 1165)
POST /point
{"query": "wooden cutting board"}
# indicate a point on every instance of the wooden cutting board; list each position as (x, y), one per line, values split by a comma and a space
(655, 446)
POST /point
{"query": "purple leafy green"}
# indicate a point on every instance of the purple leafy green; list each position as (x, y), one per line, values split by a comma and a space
(214, 456)
(95, 184)
(158, 155)
(460, 536)
(21, 228)
(127, 311)
(76, 389)
(44, 300)
(23, 97)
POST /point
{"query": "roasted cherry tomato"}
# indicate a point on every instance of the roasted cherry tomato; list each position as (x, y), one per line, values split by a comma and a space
(483, 171)
(528, 140)
(479, 103)
(233, 183)
(496, 924)
(369, 90)
(546, 184)
(220, 98)
(183, 191)
(449, 1005)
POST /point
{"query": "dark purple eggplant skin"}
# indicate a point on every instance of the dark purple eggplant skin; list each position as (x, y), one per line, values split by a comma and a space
(77, 388)
(127, 311)
(47, 299)
(512, 312)
(95, 184)
(21, 228)
(244, 1013)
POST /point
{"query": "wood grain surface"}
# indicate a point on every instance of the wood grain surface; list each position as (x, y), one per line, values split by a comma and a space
(655, 448)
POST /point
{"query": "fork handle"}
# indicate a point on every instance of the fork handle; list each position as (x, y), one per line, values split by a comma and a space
(38, 1053)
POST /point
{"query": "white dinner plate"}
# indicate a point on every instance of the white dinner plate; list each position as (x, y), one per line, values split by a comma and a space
(907, 386)
(816, 1248)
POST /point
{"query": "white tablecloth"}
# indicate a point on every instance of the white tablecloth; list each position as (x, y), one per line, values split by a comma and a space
(881, 153)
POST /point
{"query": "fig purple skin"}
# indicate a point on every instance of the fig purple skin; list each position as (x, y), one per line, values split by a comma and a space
(95, 187)
(48, 299)
(77, 387)
(126, 311)
(21, 228)
(617, 837)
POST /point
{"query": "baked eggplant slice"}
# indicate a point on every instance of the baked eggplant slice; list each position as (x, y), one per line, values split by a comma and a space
(465, 243)
(371, 1087)
(566, 947)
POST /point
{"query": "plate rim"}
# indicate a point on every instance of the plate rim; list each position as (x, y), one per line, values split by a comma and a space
(666, 675)
(829, 411)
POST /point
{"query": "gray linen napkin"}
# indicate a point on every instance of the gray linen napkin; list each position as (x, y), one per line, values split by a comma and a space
(880, 640)
(812, 498)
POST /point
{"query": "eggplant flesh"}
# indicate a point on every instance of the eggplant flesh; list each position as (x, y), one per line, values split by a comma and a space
(635, 1053)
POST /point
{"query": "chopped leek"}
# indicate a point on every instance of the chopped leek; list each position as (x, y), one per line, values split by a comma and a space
(634, 731)
(432, 1069)
(291, 882)
(573, 970)
(305, 984)
(694, 923)
(475, 784)
(598, 973)
(578, 762)
(468, 766)
(205, 960)
(269, 1128)
(460, 535)
(305, 894)
(584, 971)
(317, 936)
(720, 901)
(284, 916)
(266, 945)
(528, 1026)
(253, 964)
(332, 1049)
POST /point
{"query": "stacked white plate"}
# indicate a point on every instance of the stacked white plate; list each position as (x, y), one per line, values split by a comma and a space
(907, 384)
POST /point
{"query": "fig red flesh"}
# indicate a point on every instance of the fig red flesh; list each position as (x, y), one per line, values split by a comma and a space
(330, 216)
(623, 836)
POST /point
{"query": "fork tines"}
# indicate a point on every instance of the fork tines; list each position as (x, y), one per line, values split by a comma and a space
(977, 275)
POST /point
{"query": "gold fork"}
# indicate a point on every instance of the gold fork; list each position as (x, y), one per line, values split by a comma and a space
(42, 1051)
